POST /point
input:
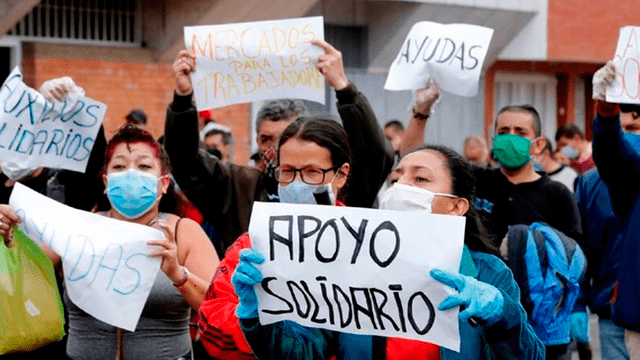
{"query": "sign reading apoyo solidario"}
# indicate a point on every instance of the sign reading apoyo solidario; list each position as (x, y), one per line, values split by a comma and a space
(360, 271)
(35, 132)
(452, 54)
(246, 62)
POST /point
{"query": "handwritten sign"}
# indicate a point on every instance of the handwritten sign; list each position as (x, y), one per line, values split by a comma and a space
(35, 132)
(359, 271)
(452, 54)
(626, 84)
(106, 268)
(262, 60)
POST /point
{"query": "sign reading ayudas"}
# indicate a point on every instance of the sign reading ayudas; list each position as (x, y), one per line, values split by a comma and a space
(107, 272)
(452, 54)
(262, 60)
(360, 271)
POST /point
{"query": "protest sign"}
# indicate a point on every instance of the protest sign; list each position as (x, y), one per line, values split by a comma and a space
(358, 271)
(246, 62)
(626, 84)
(452, 54)
(35, 132)
(107, 272)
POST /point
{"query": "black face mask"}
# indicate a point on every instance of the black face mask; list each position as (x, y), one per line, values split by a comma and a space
(215, 152)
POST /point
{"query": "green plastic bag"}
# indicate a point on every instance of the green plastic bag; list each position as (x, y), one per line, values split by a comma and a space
(31, 313)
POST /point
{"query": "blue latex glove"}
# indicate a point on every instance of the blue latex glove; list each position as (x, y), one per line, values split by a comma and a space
(580, 327)
(244, 279)
(481, 300)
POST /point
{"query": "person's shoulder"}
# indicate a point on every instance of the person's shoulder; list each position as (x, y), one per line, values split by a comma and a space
(244, 171)
(552, 186)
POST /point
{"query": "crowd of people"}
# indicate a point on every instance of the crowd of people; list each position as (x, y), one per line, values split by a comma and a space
(203, 304)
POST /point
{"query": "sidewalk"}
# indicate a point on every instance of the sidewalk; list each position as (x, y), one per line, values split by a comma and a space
(594, 336)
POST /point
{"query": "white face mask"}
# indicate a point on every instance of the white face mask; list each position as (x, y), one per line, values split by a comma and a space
(16, 172)
(409, 198)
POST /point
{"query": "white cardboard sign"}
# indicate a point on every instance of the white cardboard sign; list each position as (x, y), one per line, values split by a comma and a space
(106, 268)
(360, 271)
(626, 84)
(35, 132)
(452, 54)
(245, 62)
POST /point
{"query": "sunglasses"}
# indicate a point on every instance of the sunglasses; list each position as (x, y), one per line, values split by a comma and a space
(627, 108)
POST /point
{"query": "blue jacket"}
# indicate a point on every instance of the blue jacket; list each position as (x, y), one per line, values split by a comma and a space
(619, 166)
(511, 338)
(602, 230)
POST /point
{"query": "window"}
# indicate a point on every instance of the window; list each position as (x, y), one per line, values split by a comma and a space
(108, 22)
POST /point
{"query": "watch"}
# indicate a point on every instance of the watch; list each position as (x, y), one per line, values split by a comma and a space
(418, 115)
(184, 279)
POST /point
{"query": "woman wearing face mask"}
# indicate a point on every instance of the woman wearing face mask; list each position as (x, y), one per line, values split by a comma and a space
(313, 166)
(136, 176)
(437, 180)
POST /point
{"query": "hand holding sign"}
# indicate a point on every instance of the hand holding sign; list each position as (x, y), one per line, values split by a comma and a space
(244, 279)
(427, 98)
(168, 252)
(183, 66)
(7, 219)
(59, 88)
(602, 79)
(330, 65)
(481, 300)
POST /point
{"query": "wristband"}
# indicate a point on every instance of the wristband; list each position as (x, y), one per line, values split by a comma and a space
(418, 115)
(184, 279)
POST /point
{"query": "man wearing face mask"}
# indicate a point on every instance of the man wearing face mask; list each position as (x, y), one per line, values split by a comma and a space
(515, 193)
(619, 166)
(572, 143)
(556, 170)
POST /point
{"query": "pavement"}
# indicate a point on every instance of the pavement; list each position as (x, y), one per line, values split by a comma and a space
(594, 336)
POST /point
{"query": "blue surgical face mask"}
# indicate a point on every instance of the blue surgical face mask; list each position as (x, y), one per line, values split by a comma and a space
(132, 193)
(298, 192)
(537, 167)
(634, 140)
(570, 152)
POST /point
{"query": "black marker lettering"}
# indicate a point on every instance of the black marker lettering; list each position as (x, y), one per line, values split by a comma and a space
(321, 257)
(265, 287)
(303, 235)
(273, 237)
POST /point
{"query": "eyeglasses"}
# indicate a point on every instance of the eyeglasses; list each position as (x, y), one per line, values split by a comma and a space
(309, 176)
